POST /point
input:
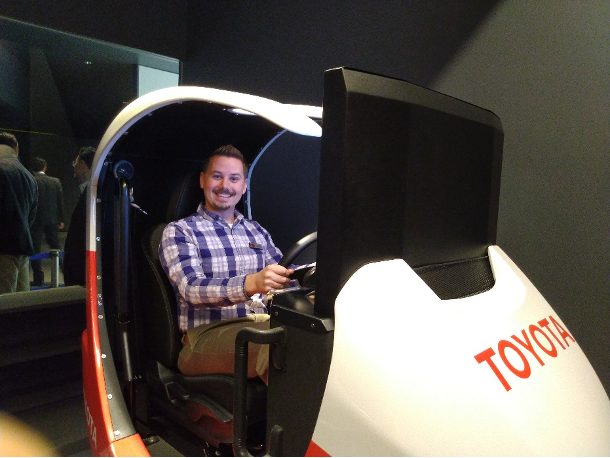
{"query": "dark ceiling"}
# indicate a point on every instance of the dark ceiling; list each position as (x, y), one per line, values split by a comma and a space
(93, 79)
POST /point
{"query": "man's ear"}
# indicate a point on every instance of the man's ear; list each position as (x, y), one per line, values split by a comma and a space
(201, 180)
(245, 187)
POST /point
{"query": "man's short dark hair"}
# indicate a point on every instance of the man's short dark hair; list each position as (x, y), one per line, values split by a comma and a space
(38, 164)
(227, 151)
(9, 140)
(86, 154)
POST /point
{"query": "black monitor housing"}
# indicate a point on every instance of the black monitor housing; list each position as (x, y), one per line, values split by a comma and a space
(410, 173)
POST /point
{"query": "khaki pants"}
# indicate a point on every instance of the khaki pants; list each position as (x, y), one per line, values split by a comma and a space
(210, 348)
(14, 273)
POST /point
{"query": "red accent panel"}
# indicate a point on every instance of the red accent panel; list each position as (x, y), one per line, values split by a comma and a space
(96, 402)
(97, 412)
(315, 450)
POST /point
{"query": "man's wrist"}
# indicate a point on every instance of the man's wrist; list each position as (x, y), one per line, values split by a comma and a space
(250, 285)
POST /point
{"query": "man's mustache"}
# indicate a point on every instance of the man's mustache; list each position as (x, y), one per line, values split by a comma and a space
(224, 191)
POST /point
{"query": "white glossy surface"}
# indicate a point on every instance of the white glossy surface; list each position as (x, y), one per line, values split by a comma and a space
(404, 379)
(294, 118)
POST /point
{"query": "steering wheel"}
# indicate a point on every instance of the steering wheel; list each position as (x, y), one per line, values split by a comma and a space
(306, 276)
(297, 248)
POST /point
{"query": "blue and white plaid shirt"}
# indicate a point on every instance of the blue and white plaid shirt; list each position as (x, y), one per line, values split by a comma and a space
(207, 261)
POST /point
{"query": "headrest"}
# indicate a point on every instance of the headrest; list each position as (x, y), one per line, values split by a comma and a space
(185, 199)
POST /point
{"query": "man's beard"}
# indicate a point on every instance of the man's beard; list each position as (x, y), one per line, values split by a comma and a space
(219, 207)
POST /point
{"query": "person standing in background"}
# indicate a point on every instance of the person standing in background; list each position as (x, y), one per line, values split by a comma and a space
(18, 204)
(49, 216)
(75, 246)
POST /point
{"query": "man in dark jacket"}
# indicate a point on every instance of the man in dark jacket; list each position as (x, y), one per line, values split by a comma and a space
(18, 202)
(75, 246)
(49, 216)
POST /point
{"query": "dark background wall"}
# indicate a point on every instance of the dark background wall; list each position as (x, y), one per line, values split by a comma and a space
(542, 66)
(59, 91)
(281, 49)
(157, 26)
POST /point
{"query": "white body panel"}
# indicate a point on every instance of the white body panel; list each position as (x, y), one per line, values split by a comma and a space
(404, 379)
(294, 118)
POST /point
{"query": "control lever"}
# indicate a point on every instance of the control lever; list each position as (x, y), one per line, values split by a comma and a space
(133, 204)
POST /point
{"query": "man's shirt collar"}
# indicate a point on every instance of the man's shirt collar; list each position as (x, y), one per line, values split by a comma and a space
(210, 216)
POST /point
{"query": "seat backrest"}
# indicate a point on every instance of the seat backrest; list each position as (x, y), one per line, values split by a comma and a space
(185, 198)
(159, 307)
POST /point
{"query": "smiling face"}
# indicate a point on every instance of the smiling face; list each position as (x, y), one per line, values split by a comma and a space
(223, 184)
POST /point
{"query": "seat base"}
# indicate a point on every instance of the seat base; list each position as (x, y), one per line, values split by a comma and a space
(203, 404)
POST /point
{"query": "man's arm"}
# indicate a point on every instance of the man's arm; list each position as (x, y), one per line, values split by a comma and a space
(34, 205)
(273, 276)
(60, 205)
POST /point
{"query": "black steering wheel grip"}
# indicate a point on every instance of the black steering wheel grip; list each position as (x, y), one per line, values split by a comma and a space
(297, 249)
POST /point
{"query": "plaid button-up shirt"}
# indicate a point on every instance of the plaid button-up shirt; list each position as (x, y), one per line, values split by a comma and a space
(207, 261)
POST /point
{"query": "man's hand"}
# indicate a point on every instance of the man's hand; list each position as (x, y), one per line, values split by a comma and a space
(271, 277)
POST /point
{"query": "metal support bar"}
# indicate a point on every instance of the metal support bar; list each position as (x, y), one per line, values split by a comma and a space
(55, 268)
(240, 421)
(122, 259)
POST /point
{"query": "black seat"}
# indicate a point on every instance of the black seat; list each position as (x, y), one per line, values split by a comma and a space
(202, 404)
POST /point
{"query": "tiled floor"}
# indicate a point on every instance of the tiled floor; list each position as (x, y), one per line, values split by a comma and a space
(58, 415)
(57, 412)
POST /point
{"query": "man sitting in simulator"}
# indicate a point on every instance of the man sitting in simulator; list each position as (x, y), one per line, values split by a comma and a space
(219, 264)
